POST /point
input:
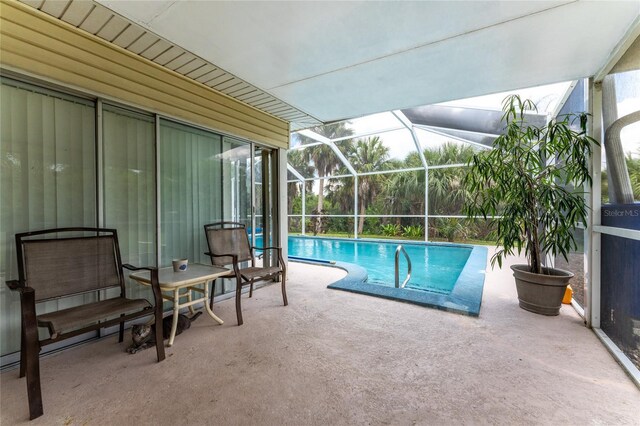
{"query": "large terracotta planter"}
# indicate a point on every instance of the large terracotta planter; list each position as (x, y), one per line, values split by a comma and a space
(541, 293)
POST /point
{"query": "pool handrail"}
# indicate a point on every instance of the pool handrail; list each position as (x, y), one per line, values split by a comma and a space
(397, 266)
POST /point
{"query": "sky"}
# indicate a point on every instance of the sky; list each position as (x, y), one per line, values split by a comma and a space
(400, 144)
(546, 98)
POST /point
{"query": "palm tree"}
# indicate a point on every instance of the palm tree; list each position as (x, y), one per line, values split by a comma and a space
(449, 153)
(446, 192)
(368, 155)
(633, 167)
(299, 160)
(403, 192)
(340, 193)
(324, 159)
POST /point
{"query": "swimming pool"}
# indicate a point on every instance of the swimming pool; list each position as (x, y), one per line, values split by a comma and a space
(435, 267)
(444, 276)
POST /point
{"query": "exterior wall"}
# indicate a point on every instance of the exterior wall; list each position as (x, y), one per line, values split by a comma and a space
(33, 43)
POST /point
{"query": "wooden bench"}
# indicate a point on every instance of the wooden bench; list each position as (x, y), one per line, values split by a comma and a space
(58, 263)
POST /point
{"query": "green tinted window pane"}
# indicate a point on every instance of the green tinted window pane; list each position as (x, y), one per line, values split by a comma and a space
(190, 190)
(129, 187)
(236, 180)
(47, 180)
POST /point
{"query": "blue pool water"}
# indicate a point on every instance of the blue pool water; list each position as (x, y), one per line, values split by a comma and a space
(449, 277)
(434, 267)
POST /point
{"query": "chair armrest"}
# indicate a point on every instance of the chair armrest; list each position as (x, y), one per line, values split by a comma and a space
(27, 309)
(234, 261)
(234, 257)
(278, 249)
(16, 285)
(265, 248)
(138, 268)
(155, 283)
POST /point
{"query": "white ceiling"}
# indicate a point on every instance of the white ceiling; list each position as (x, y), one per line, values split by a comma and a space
(337, 60)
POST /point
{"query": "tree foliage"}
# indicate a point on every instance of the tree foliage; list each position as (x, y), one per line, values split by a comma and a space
(633, 167)
(526, 178)
(322, 160)
(400, 193)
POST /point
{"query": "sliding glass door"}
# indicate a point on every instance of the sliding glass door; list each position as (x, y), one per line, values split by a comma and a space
(129, 176)
(236, 181)
(204, 178)
(47, 180)
(190, 190)
(156, 181)
(265, 199)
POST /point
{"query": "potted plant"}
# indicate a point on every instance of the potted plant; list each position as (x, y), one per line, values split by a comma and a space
(527, 181)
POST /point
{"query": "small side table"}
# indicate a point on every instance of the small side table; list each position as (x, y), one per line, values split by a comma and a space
(196, 275)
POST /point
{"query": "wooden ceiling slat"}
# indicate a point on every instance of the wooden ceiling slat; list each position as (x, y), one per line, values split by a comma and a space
(77, 12)
(113, 28)
(206, 78)
(228, 84)
(187, 68)
(143, 43)
(242, 91)
(54, 7)
(128, 36)
(199, 72)
(219, 80)
(37, 4)
(97, 19)
(179, 61)
(156, 49)
(169, 55)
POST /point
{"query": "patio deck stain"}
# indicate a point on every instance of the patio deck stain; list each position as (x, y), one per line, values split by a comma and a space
(340, 358)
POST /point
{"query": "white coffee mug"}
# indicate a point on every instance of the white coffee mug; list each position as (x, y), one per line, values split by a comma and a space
(180, 265)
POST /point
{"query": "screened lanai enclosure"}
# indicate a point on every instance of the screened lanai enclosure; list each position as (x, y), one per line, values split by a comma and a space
(398, 175)
(305, 120)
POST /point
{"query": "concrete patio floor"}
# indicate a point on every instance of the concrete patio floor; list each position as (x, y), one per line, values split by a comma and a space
(333, 357)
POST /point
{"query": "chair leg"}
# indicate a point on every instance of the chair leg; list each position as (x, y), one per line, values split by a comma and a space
(238, 302)
(34, 392)
(251, 289)
(157, 313)
(159, 337)
(121, 332)
(23, 351)
(32, 356)
(284, 290)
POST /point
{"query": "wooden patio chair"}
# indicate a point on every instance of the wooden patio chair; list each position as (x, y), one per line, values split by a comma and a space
(229, 245)
(58, 263)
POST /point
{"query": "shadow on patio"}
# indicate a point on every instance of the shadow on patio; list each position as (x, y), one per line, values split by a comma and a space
(333, 357)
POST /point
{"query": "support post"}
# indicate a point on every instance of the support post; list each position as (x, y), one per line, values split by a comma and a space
(304, 208)
(281, 213)
(355, 206)
(426, 203)
(593, 242)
